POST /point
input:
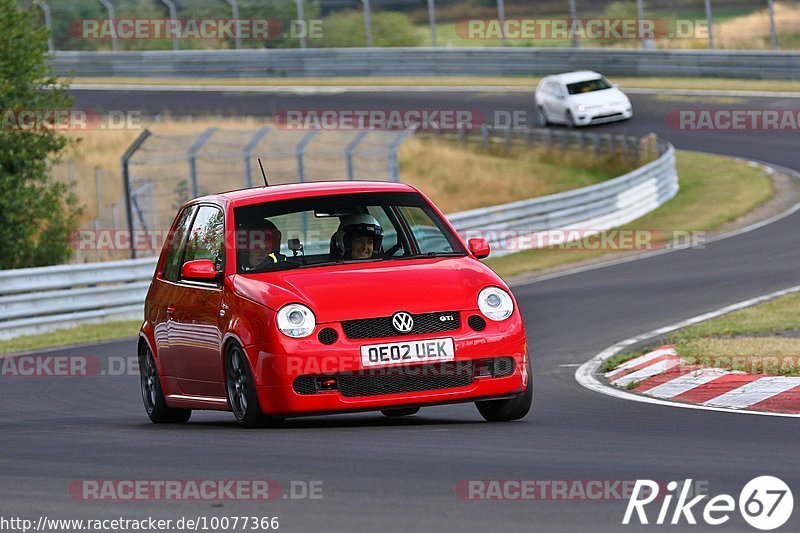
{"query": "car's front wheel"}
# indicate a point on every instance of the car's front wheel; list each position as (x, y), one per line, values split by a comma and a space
(511, 408)
(153, 395)
(241, 389)
(541, 117)
(393, 413)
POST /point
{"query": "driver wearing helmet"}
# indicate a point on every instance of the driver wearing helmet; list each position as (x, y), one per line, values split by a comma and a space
(358, 237)
(260, 244)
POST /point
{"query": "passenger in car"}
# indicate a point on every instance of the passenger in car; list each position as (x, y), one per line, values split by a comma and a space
(359, 237)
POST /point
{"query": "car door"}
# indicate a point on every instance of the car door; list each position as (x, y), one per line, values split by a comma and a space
(195, 337)
(559, 102)
(164, 287)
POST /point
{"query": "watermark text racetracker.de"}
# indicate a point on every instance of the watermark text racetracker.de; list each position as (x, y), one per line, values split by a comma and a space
(734, 119)
(194, 489)
(69, 119)
(248, 29)
(557, 489)
(615, 29)
(150, 523)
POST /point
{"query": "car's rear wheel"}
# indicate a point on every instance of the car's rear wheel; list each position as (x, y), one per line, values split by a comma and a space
(153, 395)
(393, 413)
(511, 408)
(241, 388)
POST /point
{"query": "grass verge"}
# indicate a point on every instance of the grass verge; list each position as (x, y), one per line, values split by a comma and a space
(85, 334)
(737, 187)
(749, 340)
(719, 84)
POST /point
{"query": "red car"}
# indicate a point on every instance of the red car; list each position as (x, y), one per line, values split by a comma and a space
(327, 298)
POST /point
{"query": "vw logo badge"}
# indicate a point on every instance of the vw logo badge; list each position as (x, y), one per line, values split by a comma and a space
(402, 322)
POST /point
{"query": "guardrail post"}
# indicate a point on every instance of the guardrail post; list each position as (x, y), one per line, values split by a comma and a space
(300, 153)
(48, 23)
(572, 17)
(192, 154)
(301, 17)
(485, 136)
(432, 21)
(710, 22)
(126, 183)
(173, 16)
(349, 151)
(248, 153)
(367, 23)
(462, 136)
(501, 18)
(237, 23)
(112, 23)
(507, 139)
(773, 34)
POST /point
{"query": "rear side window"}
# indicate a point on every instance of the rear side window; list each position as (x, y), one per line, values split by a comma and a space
(206, 240)
(175, 245)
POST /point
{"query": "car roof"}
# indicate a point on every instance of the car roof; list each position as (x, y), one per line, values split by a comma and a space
(290, 191)
(578, 75)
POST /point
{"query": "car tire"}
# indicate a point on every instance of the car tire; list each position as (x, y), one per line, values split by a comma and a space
(511, 408)
(241, 391)
(394, 413)
(155, 402)
(570, 120)
(541, 117)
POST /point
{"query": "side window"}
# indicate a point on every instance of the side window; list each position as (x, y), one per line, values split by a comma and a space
(175, 245)
(206, 239)
(428, 235)
(389, 231)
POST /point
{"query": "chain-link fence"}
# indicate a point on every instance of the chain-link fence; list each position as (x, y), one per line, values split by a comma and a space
(161, 171)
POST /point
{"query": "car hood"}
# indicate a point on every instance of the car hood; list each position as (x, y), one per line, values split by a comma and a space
(607, 96)
(346, 292)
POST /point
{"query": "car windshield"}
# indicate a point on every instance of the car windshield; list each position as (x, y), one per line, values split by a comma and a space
(312, 232)
(588, 86)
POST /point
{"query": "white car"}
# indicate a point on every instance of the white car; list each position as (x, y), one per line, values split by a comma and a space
(579, 99)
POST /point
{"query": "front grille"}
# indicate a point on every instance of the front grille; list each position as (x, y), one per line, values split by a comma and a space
(372, 328)
(406, 379)
(394, 380)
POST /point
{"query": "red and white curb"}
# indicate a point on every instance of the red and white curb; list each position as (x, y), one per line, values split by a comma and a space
(669, 381)
(663, 374)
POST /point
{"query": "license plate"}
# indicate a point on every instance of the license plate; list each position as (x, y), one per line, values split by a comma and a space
(401, 353)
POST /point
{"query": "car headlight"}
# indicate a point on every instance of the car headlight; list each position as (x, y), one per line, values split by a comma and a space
(296, 321)
(495, 304)
(581, 108)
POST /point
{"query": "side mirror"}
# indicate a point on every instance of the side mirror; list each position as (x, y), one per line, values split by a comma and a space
(199, 270)
(479, 248)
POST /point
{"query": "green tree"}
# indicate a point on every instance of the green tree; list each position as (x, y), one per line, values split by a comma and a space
(37, 214)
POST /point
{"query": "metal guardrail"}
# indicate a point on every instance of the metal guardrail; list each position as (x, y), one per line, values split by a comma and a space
(593, 209)
(36, 300)
(515, 61)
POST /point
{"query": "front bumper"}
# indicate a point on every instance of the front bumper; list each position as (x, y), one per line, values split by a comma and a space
(278, 372)
(602, 116)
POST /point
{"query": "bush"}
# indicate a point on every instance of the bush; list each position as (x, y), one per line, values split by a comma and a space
(346, 30)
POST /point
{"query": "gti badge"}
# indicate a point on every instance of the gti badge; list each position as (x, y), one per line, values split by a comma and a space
(402, 322)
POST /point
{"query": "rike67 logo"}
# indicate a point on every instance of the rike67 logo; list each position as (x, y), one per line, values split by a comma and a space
(765, 503)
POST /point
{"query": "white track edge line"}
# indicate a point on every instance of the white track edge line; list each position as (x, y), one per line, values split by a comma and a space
(586, 374)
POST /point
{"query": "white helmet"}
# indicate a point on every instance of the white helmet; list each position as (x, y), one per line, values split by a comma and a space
(361, 225)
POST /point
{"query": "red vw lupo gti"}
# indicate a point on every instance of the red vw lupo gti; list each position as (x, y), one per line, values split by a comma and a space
(326, 298)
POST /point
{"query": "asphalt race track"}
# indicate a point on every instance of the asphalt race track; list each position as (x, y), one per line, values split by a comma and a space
(400, 475)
